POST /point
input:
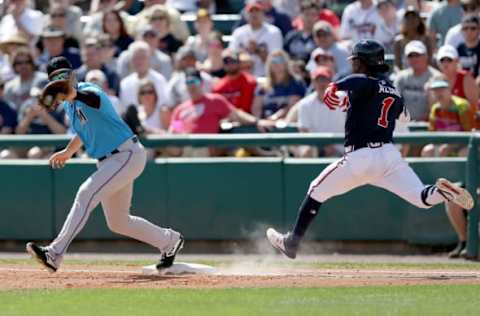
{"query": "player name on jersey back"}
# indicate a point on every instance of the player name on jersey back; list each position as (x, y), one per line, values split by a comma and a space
(388, 90)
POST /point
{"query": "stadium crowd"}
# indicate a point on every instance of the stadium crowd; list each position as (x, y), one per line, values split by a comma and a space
(168, 68)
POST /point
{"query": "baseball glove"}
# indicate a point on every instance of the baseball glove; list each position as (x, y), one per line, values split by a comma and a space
(54, 93)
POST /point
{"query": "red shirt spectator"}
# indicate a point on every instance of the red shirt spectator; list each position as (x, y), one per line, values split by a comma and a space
(324, 15)
(200, 116)
(237, 86)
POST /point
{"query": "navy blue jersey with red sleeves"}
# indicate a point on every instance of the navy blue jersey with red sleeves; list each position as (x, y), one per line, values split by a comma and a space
(374, 105)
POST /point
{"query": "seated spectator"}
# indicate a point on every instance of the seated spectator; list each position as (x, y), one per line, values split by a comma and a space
(178, 28)
(20, 19)
(73, 25)
(323, 14)
(191, 5)
(203, 112)
(107, 51)
(34, 119)
(214, 65)
(113, 25)
(238, 87)
(258, 37)
(424, 7)
(92, 60)
(454, 35)
(159, 61)
(387, 29)
(57, 17)
(281, 90)
(53, 41)
(411, 81)
(246, 62)
(129, 86)
(412, 28)
(17, 90)
(462, 82)
(469, 50)
(442, 18)
(299, 44)
(359, 21)
(154, 119)
(272, 15)
(9, 44)
(449, 113)
(199, 42)
(94, 24)
(98, 77)
(160, 22)
(177, 89)
(315, 117)
(8, 114)
(322, 57)
(325, 39)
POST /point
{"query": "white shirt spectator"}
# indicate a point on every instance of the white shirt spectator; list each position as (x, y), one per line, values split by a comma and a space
(454, 36)
(315, 116)
(129, 88)
(151, 122)
(268, 36)
(177, 88)
(31, 20)
(358, 23)
(159, 62)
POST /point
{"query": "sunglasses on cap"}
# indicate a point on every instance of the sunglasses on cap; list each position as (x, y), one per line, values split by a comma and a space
(191, 81)
(61, 74)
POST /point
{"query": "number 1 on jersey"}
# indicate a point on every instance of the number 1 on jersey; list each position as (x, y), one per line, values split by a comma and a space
(386, 105)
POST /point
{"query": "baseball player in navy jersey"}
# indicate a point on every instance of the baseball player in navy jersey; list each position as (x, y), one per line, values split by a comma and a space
(372, 104)
(121, 159)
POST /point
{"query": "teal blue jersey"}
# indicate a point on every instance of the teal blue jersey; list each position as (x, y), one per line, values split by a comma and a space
(101, 130)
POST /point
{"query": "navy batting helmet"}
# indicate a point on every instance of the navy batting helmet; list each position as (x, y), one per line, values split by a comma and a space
(371, 53)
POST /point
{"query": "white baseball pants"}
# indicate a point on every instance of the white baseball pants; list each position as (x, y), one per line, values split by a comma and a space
(112, 185)
(383, 167)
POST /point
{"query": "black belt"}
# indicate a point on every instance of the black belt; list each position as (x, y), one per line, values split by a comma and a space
(134, 139)
(350, 148)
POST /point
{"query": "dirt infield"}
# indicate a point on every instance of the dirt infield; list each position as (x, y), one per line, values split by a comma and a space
(21, 276)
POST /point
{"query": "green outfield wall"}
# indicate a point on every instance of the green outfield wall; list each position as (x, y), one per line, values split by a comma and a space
(223, 199)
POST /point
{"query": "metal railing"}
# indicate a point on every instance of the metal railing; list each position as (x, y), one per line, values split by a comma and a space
(472, 140)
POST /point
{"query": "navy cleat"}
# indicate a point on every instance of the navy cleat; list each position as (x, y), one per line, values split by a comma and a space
(284, 243)
(42, 255)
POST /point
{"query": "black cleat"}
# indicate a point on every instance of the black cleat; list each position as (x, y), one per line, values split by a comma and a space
(168, 257)
(283, 243)
(41, 254)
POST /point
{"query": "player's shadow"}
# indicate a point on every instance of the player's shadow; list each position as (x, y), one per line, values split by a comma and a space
(140, 278)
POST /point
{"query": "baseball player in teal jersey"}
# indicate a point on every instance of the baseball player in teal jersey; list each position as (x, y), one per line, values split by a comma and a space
(121, 159)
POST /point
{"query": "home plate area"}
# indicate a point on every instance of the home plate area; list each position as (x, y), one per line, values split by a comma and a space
(180, 268)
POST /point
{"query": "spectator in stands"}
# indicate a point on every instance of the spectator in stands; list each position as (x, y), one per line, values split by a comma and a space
(34, 119)
(8, 45)
(129, 86)
(299, 44)
(73, 25)
(8, 115)
(387, 29)
(442, 19)
(18, 89)
(321, 57)
(98, 77)
(57, 17)
(214, 65)
(469, 50)
(178, 28)
(203, 112)
(92, 60)
(153, 118)
(238, 87)
(191, 5)
(199, 42)
(412, 28)
(246, 62)
(454, 35)
(315, 117)
(411, 81)
(177, 89)
(272, 16)
(424, 7)
(107, 51)
(258, 37)
(323, 14)
(359, 21)
(160, 22)
(159, 61)
(112, 24)
(20, 19)
(449, 113)
(53, 40)
(462, 82)
(325, 39)
(281, 90)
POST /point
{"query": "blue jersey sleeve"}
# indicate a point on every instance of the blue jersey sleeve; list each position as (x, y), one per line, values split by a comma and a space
(357, 83)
